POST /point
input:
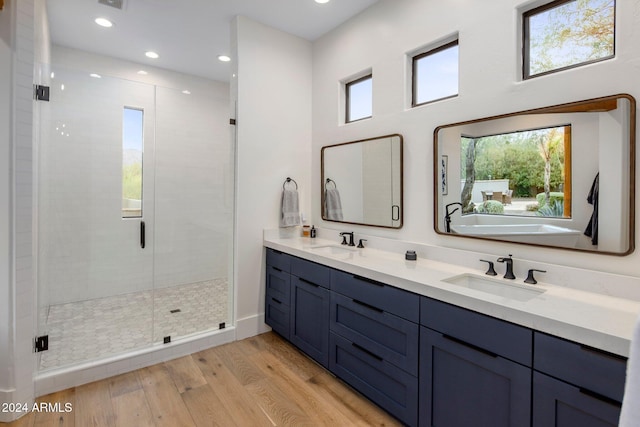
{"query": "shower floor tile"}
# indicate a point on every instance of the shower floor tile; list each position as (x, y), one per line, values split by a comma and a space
(93, 329)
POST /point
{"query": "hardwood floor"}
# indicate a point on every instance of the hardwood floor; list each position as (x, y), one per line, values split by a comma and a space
(260, 381)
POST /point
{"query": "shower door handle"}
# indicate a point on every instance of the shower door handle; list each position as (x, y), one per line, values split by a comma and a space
(142, 234)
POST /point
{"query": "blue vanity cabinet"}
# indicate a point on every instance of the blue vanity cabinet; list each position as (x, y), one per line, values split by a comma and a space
(278, 292)
(309, 321)
(575, 385)
(475, 370)
(374, 342)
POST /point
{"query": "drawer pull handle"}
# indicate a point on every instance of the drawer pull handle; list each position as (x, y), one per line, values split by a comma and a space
(276, 269)
(366, 279)
(471, 346)
(308, 282)
(370, 307)
(600, 397)
(602, 353)
(364, 350)
(276, 300)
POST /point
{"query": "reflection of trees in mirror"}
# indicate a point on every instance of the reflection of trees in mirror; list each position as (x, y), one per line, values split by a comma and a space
(533, 162)
(570, 33)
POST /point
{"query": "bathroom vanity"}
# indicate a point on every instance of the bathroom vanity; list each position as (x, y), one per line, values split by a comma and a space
(433, 349)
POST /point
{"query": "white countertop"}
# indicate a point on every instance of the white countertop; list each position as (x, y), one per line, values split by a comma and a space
(601, 321)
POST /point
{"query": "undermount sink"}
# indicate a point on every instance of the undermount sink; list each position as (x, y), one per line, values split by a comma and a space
(333, 250)
(502, 288)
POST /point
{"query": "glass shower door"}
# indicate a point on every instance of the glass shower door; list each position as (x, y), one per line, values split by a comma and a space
(95, 280)
(193, 225)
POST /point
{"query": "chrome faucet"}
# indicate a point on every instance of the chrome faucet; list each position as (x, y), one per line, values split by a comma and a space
(509, 261)
(344, 235)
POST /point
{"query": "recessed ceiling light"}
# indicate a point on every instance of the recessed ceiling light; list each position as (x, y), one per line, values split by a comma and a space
(224, 58)
(186, 92)
(95, 76)
(104, 22)
(322, 1)
(142, 72)
(152, 55)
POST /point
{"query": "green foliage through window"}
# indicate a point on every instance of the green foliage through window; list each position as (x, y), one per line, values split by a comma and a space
(567, 33)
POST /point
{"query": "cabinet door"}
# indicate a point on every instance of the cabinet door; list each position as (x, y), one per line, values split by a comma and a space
(310, 319)
(462, 385)
(558, 404)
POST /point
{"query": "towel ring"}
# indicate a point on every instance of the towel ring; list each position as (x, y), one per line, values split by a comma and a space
(329, 180)
(289, 180)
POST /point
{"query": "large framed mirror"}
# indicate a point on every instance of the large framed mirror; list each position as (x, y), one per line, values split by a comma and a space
(362, 182)
(561, 176)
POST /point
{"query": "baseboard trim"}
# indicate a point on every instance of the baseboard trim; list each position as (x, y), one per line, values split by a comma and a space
(251, 326)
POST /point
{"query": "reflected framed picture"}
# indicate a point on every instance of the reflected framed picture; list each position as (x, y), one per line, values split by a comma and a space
(444, 164)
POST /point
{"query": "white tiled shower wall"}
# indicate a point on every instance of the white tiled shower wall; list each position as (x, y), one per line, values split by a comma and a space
(86, 249)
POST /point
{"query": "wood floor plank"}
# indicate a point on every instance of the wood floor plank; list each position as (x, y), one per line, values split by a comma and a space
(360, 406)
(166, 404)
(295, 360)
(26, 420)
(132, 409)
(238, 364)
(206, 408)
(278, 405)
(302, 392)
(230, 391)
(93, 405)
(185, 373)
(58, 419)
(124, 383)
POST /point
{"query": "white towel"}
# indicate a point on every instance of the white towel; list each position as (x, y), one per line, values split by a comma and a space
(630, 415)
(290, 215)
(332, 204)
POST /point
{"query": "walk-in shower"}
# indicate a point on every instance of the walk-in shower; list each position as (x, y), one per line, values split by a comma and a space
(134, 212)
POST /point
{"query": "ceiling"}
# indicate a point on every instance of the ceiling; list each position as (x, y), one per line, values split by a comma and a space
(187, 34)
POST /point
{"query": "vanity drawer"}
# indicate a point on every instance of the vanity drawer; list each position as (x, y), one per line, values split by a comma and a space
(583, 366)
(311, 272)
(493, 335)
(276, 315)
(376, 294)
(278, 284)
(279, 260)
(393, 389)
(390, 337)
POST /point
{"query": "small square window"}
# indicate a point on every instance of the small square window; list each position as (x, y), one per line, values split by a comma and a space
(359, 98)
(567, 33)
(435, 74)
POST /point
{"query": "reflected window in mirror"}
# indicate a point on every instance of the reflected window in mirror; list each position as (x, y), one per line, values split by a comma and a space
(359, 98)
(567, 33)
(522, 173)
(525, 189)
(435, 74)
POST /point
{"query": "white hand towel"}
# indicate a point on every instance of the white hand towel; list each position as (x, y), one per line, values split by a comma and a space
(332, 204)
(290, 215)
(630, 415)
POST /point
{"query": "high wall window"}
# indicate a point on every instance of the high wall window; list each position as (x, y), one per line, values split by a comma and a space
(567, 33)
(132, 149)
(359, 97)
(435, 74)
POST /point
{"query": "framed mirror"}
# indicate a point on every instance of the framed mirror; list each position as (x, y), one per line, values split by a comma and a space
(362, 182)
(561, 176)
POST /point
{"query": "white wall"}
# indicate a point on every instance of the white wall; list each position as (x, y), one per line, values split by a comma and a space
(489, 80)
(273, 142)
(6, 115)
